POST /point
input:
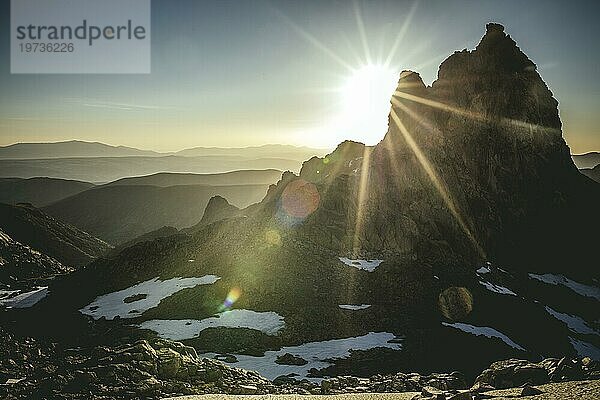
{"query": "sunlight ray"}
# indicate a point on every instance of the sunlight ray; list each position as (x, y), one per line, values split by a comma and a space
(357, 59)
(471, 114)
(361, 30)
(362, 197)
(401, 33)
(314, 41)
(430, 171)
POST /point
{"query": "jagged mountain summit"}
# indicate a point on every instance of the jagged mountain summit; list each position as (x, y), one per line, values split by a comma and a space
(405, 251)
(473, 165)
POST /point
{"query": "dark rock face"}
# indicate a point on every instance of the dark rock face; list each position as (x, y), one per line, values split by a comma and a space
(474, 167)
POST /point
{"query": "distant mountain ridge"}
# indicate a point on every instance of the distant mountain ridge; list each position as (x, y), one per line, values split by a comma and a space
(241, 177)
(586, 160)
(108, 169)
(81, 148)
(69, 149)
(300, 153)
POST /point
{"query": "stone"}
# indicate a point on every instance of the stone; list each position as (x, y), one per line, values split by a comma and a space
(289, 359)
(530, 391)
(169, 363)
(248, 389)
(466, 395)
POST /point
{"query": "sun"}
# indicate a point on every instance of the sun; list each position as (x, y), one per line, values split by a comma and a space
(366, 98)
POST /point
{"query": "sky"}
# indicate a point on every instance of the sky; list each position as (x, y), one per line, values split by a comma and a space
(248, 72)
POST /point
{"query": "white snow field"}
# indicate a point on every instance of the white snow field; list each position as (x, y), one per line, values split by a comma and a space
(147, 294)
(315, 353)
(268, 322)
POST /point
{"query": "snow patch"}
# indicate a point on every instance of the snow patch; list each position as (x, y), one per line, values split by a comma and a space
(484, 331)
(354, 307)
(24, 299)
(318, 355)
(575, 323)
(484, 270)
(367, 265)
(181, 329)
(585, 349)
(497, 288)
(113, 304)
(579, 288)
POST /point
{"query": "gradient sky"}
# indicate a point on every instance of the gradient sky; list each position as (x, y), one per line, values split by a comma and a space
(249, 72)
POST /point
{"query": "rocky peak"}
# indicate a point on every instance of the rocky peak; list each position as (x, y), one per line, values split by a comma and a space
(410, 82)
(466, 163)
(218, 208)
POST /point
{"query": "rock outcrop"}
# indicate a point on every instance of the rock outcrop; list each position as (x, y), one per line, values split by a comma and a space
(218, 208)
(473, 167)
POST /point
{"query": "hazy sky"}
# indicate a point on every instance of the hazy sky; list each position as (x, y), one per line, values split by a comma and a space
(246, 72)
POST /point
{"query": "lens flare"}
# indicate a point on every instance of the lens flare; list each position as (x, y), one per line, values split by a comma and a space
(298, 200)
(233, 295)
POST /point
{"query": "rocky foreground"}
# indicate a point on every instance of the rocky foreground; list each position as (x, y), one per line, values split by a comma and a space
(580, 390)
(31, 368)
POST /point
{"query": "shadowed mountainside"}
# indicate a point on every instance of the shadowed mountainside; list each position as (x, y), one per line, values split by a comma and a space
(39, 191)
(120, 213)
(31, 226)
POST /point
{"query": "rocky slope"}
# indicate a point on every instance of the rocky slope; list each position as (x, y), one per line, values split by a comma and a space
(22, 267)
(32, 227)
